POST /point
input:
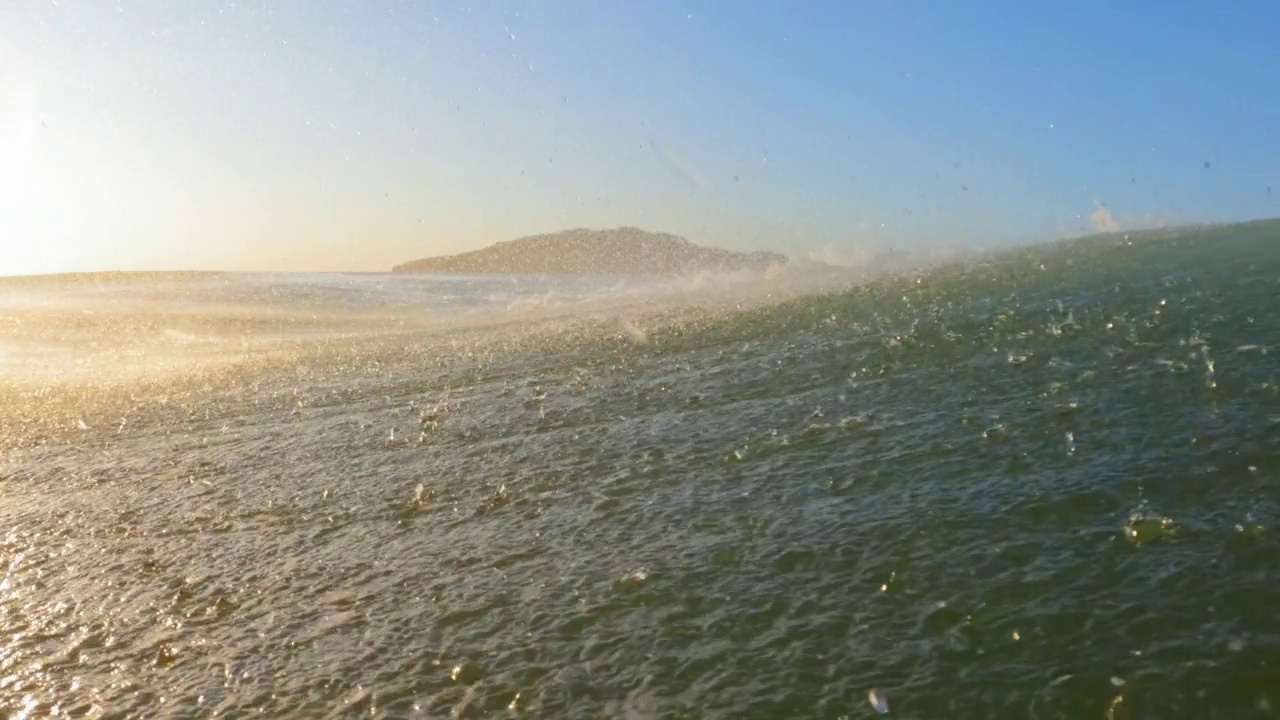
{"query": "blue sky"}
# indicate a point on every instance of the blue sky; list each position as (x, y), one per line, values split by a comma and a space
(330, 136)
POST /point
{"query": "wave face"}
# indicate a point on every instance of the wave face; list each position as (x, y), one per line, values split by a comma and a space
(1043, 483)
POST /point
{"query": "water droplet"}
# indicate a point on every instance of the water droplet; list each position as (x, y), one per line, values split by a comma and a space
(466, 673)
(879, 700)
(1145, 528)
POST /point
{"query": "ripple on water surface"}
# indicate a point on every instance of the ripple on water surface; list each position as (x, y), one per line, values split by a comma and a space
(985, 491)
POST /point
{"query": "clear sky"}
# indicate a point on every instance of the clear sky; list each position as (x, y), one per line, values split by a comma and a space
(310, 135)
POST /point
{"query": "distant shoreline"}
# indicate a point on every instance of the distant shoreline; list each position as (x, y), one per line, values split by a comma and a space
(121, 276)
(109, 275)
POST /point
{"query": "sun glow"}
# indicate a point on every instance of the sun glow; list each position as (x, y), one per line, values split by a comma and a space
(17, 132)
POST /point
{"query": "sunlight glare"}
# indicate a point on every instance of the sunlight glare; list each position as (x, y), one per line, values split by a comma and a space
(17, 130)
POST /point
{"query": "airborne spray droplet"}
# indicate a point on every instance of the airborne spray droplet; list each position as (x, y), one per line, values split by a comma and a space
(879, 700)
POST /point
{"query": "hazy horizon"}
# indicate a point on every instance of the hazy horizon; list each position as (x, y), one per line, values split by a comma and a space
(327, 137)
(847, 256)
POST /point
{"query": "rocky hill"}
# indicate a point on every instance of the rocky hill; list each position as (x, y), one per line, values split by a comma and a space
(619, 251)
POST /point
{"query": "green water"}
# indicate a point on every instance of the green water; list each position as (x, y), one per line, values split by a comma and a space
(1041, 485)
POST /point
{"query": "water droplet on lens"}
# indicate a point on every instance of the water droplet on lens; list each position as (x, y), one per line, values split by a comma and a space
(879, 700)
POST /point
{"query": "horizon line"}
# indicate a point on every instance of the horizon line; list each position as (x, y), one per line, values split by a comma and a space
(67, 274)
